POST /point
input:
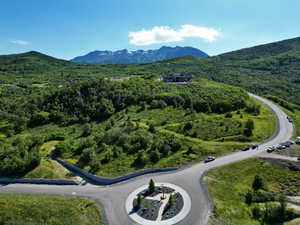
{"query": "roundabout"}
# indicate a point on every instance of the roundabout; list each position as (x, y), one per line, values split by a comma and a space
(167, 204)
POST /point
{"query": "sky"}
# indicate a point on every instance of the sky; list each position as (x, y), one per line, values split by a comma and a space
(69, 28)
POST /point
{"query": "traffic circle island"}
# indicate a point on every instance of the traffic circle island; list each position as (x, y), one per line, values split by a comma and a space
(158, 204)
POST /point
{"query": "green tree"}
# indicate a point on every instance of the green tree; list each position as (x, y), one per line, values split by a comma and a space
(283, 205)
(249, 126)
(141, 160)
(188, 126)
(154, 156)
(139, 201)
(152, 128)
(151, 187)
(249, 197)
(228, 115)
(256, 212)
(87, 130)
(258, 183)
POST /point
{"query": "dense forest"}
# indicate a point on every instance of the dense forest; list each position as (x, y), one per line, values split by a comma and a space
(98, 100)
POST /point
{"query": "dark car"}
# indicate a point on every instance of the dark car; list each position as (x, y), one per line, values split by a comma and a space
(287, 144)
(298, 158)
(209, 159)
(254, 146)
(271, 149)
(245, 148)
(280, 147)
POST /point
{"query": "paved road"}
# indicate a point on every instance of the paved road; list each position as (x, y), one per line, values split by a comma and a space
(112, 198)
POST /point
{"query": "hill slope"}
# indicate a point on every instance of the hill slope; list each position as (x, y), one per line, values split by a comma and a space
(139, 56)
(266, 69)
(30, 62)
(123, 126)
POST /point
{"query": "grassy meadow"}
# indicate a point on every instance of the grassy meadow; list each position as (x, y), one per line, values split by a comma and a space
(228, 187)
(25, 209)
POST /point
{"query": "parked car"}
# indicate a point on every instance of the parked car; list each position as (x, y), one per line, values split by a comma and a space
(297, 141)
(287, 144)
(209, 159)
(271, 149)
(245, 148)
(280, 147)
(255, 146)
(290, 119)
(299, 158)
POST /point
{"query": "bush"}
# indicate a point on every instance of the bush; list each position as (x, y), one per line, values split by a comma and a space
(141, 160)
(228, 115)
(258, 183)
(187, 126)
(154, 156)
(87, 130)
(257, 213)
(248, 131)
(253, 108)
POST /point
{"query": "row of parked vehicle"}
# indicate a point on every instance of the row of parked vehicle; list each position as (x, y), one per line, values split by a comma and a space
(281, 146)
(270, 149)
(247, 148)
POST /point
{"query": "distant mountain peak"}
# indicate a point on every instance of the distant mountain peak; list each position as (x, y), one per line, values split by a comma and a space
(139, 56)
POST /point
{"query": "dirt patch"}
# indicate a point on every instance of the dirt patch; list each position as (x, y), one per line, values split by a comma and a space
(295, 166)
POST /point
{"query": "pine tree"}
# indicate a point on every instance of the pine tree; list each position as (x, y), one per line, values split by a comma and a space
(258, 183)
(151, 188)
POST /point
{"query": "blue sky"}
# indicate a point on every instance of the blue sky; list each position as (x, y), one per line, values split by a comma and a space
(68, 28)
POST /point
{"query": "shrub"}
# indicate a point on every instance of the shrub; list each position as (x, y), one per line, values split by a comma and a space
(258, 183)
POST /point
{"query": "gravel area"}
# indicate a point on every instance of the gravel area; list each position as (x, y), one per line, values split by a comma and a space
(175, 208)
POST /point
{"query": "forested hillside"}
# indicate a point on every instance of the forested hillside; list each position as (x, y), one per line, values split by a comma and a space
(112, 128)
(267, 69)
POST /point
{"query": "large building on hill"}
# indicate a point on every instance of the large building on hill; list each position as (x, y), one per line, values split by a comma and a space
(178, 77)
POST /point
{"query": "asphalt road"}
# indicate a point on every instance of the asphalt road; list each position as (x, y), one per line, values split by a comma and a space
(112, 198)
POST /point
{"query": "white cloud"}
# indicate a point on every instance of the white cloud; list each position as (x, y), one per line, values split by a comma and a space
(165, 34)
(19, 42)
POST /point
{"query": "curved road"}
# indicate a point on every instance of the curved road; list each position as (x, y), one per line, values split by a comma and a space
(113, 197)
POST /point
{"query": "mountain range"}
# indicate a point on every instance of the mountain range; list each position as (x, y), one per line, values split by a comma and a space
(139, 56)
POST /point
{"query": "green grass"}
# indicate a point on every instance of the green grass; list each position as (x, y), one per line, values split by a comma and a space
(48, 168)
(21, 209)
(228, 185)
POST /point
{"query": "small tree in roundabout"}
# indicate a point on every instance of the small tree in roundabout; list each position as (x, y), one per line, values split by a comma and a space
(151, 187)
(139, 201)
